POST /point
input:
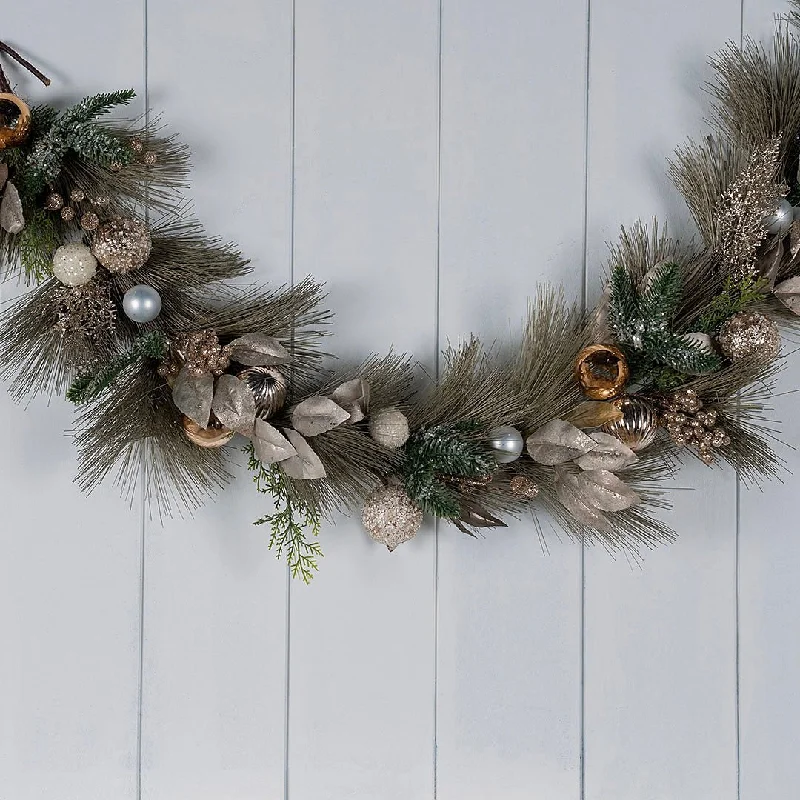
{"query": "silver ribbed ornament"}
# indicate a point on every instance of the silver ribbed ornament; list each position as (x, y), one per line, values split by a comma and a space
(638, 426)
(506, 443)
(269, 387)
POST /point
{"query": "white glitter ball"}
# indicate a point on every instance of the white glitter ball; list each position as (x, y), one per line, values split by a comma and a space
(74, 264)
(390, 516)
(389, 427)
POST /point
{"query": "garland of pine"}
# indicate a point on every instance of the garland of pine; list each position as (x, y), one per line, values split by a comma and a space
(132, 314)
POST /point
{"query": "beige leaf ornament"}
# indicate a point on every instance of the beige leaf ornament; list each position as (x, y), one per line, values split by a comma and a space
(558, 442)
(270, 445)
(306, 465)
(258, 350)
(609, 453)
(318, 415)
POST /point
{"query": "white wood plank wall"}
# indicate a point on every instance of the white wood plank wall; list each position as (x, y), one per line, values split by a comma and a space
(433, 161)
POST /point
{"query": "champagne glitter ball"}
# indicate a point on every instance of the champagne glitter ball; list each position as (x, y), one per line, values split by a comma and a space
(77, 195)
(389, 427)
(67, 214)
(269, 387)
(54, 202)
(90, 221)
(122, 244)
(150, 158)
(137, 145)
(74, 264)
(390, 517)
(750, 335)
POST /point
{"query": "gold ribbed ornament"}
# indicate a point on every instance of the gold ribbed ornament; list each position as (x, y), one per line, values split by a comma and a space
(638, 426)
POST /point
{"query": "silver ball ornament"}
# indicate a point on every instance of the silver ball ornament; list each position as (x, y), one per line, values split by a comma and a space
(506, 443)
(779, 222)
(389, 427)
(141, 303)
(390, 516)
(74, 264)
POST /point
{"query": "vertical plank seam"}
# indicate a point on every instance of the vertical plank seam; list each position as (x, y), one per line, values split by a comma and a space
(287, 572)
(437, 336)
(737, 660)
(584, 303)
(143, 476)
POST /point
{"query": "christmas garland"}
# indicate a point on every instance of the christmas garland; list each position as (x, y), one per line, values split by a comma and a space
(132, 317)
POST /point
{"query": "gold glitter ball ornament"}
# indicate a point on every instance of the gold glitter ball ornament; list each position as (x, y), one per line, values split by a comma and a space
(750, 335)
(391, 517)
(122, 244)
(54, 202)
(77, 195)
(137, 145)
(67, 214)
(524, 487)
(90, 221)
(269, 388)
(150, 158)
(638, 426)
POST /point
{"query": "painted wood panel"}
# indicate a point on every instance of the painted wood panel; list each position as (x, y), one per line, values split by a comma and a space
(512, 217)
(69, 565)
(769, 562)
(362, 635)
(215, 597)
(660, 675)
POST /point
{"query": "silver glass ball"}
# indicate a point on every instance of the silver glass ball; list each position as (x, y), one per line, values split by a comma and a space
(506, 442)
(141, 303)
(781, 220)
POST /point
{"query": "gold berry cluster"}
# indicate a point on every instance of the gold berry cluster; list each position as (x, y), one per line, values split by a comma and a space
(690, 425)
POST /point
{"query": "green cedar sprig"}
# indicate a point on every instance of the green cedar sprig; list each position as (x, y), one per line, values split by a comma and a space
(736, 296)
(443, 450)
(289, 522)
(642, 322)
(37, 243)
(90, 386)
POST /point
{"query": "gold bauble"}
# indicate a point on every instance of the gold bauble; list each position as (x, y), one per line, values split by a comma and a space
(12, 135)
(638, 426)
(212, 437)
(750, 335)
(602, 371)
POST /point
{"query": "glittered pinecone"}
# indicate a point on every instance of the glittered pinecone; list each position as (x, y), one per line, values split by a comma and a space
(390, 516)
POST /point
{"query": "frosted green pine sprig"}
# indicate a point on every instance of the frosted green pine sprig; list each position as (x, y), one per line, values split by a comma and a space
(451, 450)
(642, 320)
